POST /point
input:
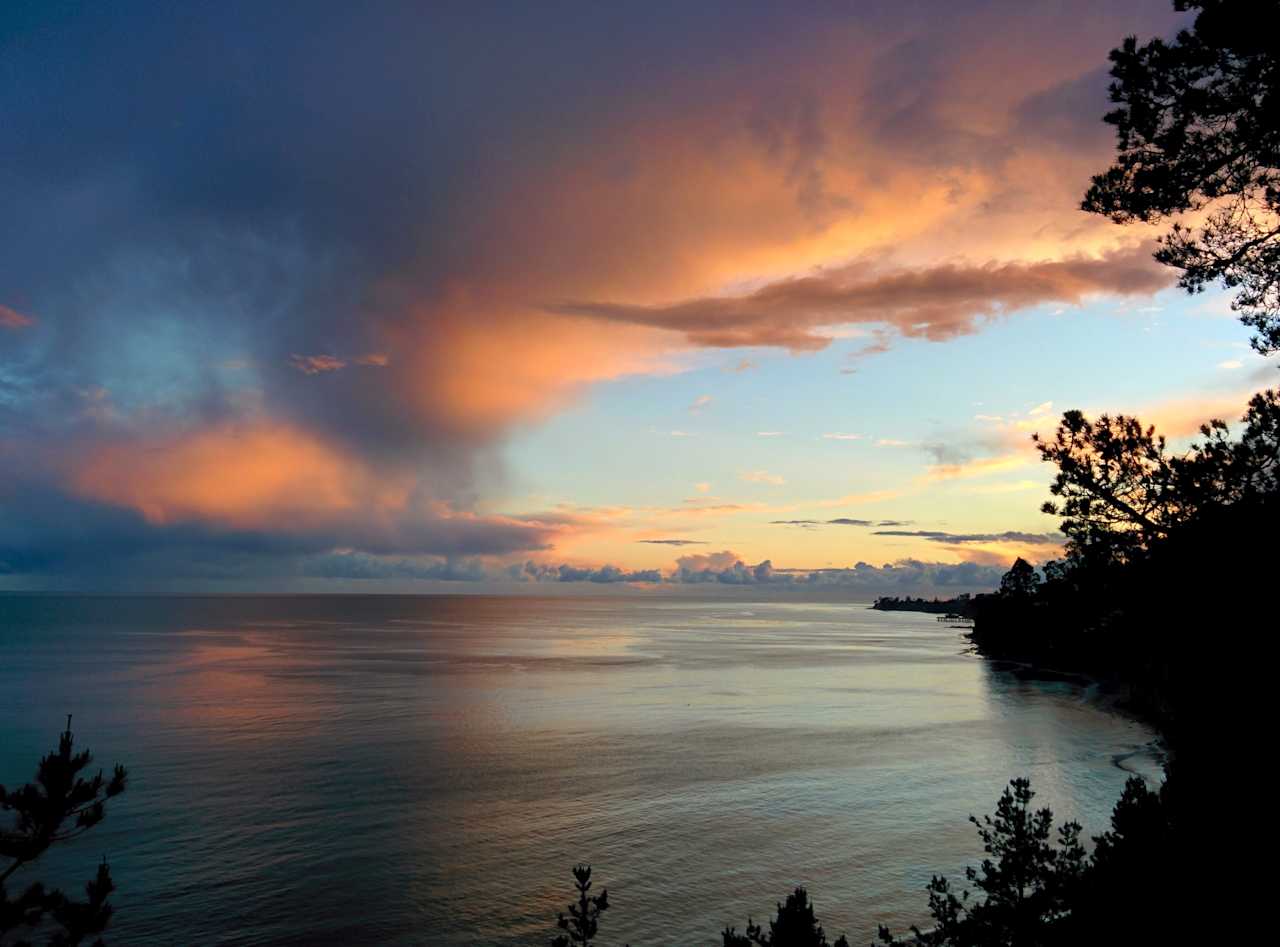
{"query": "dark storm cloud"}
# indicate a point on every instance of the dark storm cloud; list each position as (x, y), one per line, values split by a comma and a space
(60, 534)
(360, 565)
(204, 183)
(205, 191)
(1067, 113)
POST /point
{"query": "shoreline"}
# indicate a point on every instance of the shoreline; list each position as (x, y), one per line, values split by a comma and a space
(1103, 688)
(1107, 694)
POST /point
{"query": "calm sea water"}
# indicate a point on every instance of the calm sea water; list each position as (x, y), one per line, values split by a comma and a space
(425, 770)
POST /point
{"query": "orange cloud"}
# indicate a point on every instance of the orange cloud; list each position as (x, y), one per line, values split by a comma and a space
(487, 365)
(316, 364)
(12, 319)
(1182, 417)
(936, 303)
(858, 499)
(319, 364)
(238, 475)
(271, 478)
(982, 467)
(750, 197)
(1003, 554)
(990, 557)
(989, 548)
(1176, 418)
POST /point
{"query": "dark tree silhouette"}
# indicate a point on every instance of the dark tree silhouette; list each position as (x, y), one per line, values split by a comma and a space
(1221, 471)
(1119, 489)
(1037, 892)
(1029, 881)
(59, 806)
(795, 926)
(1115, 484)
(1133, 867)
(583, 921)
(1020, 581)
(1149, 580)
(1198, 129)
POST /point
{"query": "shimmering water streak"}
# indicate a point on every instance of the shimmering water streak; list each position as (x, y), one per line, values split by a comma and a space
(402, 770)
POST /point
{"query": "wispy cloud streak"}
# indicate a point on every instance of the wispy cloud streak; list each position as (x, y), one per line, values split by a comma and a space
(937, 302)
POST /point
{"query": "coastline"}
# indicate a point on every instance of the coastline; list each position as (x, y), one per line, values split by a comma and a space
(1106, 694)
(1119, 695)
(1102, 688)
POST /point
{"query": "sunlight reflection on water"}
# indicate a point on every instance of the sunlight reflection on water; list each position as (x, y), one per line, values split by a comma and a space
(325, 770)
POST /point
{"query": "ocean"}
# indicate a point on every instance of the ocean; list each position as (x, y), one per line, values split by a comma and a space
(425, 770)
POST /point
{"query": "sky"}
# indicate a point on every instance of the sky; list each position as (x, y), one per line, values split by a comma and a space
(480, 296)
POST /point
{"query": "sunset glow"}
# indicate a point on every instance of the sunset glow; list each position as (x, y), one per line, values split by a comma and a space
(611, 294)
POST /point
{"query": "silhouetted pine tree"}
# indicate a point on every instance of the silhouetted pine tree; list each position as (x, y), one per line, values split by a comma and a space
(584, 917)
(59, 806)
(1133, 869)
(795, 926)
(1029, 881)
(1198, 129)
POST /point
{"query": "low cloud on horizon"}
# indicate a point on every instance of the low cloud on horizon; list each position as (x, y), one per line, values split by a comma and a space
(248, 566)
(903, 576)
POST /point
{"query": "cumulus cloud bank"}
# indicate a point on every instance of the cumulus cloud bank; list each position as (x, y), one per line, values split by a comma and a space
(724, 568)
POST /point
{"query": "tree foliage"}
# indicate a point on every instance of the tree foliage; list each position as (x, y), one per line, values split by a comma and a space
(1134, 866)
(796, 925)
(1038, 887)
(1198, 130)
(1114, 486)
(1020, 581)
(1119, 489)
(583, 922)
(60, 805)
(1224, 472)
(1027, 880)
